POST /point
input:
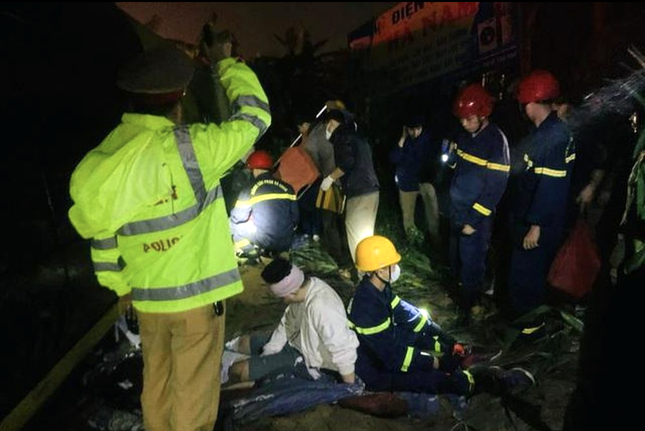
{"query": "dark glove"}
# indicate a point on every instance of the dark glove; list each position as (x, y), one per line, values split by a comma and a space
(216, 46)
(448, 342)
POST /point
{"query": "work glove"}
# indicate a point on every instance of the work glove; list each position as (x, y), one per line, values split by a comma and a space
(326, 183)
(458, 350)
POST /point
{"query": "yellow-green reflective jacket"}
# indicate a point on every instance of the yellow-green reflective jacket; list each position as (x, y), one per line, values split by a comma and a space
(149, 197)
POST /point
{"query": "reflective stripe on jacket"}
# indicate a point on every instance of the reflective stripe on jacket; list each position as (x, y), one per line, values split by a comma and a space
(270, 206)
(483, 166)
(547, 160)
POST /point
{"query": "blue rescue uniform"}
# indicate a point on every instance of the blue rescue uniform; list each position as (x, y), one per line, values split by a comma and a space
(540, 198)
(265, 215)
(393, 334)
(482, 166)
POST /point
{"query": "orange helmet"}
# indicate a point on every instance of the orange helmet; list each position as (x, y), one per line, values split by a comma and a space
(376, 252)
(538, 86)
(259, 160)
(473, 100)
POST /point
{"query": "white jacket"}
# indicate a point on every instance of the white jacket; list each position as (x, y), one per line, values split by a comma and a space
(319, 330)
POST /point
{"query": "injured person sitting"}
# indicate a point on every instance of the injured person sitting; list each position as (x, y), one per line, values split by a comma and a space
(313, 329)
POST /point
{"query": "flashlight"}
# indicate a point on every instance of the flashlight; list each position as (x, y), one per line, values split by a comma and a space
(445, 147)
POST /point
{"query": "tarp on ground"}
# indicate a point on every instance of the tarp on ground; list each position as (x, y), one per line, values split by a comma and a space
(286, 393)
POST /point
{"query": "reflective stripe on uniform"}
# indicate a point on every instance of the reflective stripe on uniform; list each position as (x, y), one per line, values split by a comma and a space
(409, 354)
(498, 167)
(104, 244)
(482, 209)
(251, 101)
(472, 159)
(191, 165)
(107, 266)
(421, 323)
(256, 121)
(437, 344)
(550, 172)
(188, 290)
(262, 198)
(483, 162)
(395, 302)
(170, 221)
(471, 380)
(373, 330)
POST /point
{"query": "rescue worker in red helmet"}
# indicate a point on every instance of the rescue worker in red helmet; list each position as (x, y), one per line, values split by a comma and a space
(481, 161)
(539, 203)
(265, 215)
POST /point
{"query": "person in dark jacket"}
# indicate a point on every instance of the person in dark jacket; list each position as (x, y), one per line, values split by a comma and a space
(539, 204)
(355, 169)
(400, 347)
(265, 215)
(482, 164)
(333, 237)
(413, 152)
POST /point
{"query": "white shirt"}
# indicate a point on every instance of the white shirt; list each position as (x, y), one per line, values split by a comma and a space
(318, 329)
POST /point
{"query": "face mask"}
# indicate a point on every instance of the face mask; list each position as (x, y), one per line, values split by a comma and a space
(395, 273)
(327, 134)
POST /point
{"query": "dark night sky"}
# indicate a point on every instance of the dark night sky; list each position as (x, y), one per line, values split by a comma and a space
(254, 24)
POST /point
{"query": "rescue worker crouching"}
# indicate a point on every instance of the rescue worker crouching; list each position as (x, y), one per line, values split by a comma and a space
(396, 338)
(265, 215)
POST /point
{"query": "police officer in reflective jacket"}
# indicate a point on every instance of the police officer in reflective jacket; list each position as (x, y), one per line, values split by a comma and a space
(149, 197)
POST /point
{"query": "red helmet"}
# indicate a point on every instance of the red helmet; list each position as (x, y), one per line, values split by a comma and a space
(538, 86)
(259, 160)
(473, 100)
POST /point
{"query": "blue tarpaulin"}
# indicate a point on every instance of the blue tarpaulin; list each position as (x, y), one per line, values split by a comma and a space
(289, 393)
(295, 391)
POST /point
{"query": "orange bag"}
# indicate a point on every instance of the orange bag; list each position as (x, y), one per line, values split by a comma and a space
(575, 267)
(297, 169)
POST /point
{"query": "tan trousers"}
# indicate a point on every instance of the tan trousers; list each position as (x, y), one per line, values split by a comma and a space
(408, 201)
(360, 217)
(181, 369)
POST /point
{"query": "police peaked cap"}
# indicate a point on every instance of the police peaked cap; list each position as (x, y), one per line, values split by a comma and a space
(164, 69)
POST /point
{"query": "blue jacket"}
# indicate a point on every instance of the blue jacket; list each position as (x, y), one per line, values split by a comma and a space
(482, 166)
(544, 174)
(392, 331)
(410, 160)
(270, 205)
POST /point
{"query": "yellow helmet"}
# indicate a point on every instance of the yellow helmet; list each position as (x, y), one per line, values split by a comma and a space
(376, 252)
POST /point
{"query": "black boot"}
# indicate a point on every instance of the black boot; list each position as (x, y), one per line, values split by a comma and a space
(498, 382)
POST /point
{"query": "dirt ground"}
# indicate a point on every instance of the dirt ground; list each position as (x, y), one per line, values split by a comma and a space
(553, 361)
